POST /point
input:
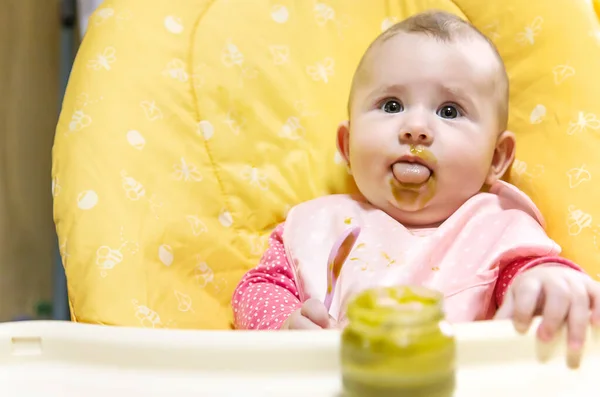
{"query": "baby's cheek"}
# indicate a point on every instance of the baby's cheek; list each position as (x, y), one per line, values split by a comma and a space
(367, 155)
(469, 163)
(462, 179)
(369, 144)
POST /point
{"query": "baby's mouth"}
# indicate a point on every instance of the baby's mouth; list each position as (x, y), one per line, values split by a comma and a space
(411, 174)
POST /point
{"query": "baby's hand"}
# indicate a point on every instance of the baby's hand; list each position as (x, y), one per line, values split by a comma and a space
(563, 296)
(312, 315)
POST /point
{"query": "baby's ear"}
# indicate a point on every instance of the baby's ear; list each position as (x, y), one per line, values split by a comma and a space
(343, 140)
(504, 154)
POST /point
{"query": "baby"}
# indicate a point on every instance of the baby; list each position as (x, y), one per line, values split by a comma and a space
(427, 146)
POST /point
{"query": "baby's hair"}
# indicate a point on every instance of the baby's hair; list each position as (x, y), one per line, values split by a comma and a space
(446, 27)
(438, 24)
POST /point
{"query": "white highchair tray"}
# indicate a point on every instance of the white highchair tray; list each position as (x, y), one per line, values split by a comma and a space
(67, 359)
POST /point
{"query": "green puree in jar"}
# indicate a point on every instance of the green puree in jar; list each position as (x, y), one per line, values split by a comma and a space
(397, 343)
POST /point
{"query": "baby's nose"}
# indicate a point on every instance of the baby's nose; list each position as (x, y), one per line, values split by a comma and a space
(421, 137)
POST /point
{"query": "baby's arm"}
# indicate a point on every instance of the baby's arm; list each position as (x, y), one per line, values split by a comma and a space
(267, 294)
(518, 266)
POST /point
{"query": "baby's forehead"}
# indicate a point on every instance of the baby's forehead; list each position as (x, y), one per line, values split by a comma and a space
(465, 59)
(468, 50)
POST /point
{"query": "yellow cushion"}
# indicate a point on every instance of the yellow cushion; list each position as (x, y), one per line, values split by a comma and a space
(190, 127)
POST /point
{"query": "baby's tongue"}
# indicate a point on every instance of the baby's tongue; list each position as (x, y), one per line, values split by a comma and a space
(410, 172)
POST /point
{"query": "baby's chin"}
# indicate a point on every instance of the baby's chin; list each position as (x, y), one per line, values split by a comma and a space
(412, 209)
(413, 215)
(421, 213)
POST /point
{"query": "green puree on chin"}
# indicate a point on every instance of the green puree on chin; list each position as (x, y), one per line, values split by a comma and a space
(397, 343)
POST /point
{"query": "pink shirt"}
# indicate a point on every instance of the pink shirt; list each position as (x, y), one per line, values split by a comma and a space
(472, 257)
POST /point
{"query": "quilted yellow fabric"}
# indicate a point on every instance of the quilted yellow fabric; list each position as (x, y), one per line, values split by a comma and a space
(191, 126)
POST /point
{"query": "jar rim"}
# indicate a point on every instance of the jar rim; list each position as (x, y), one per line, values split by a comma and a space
(397, 305)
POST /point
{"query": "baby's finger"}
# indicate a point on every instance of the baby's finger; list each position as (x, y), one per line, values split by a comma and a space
(316, 311)
(556, 309)
(579, 314)
(301, 322)
(578, 320)
(505, 311)
(332, 322)
(593, 288)
(526, 296)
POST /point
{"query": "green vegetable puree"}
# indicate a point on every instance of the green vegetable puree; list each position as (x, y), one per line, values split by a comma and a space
(397, 344)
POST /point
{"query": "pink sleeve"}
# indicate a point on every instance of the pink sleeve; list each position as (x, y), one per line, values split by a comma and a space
(513, 269)
(267, 294)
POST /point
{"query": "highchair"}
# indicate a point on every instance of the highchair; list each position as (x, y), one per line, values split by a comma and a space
(190, 127)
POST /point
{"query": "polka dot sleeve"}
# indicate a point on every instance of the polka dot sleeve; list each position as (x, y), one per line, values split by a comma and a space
(267, 294)
(513, 269)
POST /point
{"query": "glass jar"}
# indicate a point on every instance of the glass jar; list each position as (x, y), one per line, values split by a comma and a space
(397, 343)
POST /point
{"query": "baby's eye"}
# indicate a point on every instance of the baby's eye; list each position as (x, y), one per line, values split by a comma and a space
(448, 112)
(392, 106)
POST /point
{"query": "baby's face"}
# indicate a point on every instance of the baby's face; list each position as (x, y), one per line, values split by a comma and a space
(424, 126)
